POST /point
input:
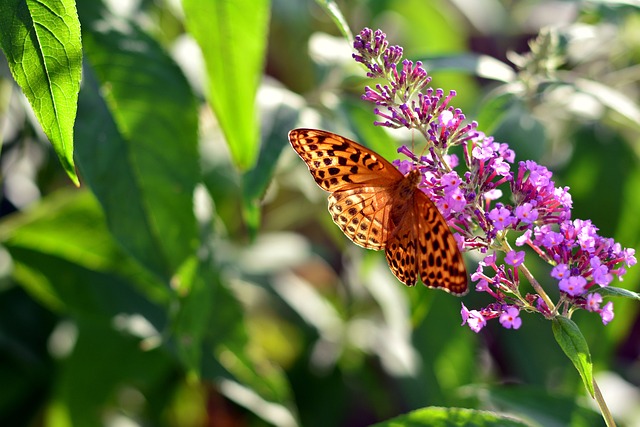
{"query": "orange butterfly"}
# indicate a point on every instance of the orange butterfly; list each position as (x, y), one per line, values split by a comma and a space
(379, 208)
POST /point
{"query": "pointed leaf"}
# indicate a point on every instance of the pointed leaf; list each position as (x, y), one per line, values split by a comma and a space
(233, 38)
(618, 292)
(332, 9)
(574, 345)
(41, 40)
(137, 149)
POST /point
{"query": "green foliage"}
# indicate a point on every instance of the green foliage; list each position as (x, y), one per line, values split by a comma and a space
(196, 276)
(575, 347)
(450, 417)
(41, 41)
(232, 36)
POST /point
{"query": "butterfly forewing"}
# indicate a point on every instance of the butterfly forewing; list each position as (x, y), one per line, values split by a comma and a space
(338, 163)
(379, 208)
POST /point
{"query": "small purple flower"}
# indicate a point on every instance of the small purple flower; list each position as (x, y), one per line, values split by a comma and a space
(607, 313)
(510, 318)
(451, 181)
(514, 258)
(447, 119)
(629, 257)
(524, 239)
(482, 153)
(573, 285)
(501, 167)
(593, 302)
(586, 234)
(526, 213)
(404, 166)
(552, 239)
(456, 200)
(501, 218)
(473, 318)
(560, 271)
(482, 285)
(600, 272)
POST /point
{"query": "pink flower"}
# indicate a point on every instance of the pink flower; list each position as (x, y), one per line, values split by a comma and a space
(514, 258)
(573, 285)
(510, 318)
(607, 313)
(560, 271)
(501, 218)
(593, 302)
(526, 213)
(473, 318)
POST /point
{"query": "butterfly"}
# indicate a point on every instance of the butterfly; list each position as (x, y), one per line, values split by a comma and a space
(378, 207)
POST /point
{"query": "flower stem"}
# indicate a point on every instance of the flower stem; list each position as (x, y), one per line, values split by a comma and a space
(523, 268)
(606, 414)
(534, 283)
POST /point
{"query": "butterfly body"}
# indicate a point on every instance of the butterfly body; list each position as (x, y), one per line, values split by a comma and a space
(378, 207)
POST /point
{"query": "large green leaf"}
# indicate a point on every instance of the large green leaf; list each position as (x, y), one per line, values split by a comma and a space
(233, 39)
(41, 40)
(137, 144)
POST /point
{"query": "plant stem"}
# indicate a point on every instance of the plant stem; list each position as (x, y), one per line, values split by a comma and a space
(604, 410)
(532, 280)
(537, 287)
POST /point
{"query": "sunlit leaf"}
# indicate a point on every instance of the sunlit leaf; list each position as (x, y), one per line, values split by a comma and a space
(233, 39)
(41, 40)
(449, 417)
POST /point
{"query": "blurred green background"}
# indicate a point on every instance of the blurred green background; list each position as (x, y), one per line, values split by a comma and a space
(196, 278)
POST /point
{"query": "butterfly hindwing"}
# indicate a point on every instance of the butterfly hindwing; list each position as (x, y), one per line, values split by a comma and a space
(362, 214)
(401, 254)
(438, 259)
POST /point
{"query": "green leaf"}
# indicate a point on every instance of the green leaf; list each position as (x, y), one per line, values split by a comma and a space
(103, 363)
(493, 111)
(233, 39)
(65, 258)
(332, 9)
(201, 312)
(574, 345)
(281, 117)
(549, 409)
(41, 40)
(138, 134)
(612, 291)
(445, 417)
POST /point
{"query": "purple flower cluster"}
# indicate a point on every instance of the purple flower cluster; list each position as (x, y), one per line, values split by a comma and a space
(539, 214)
